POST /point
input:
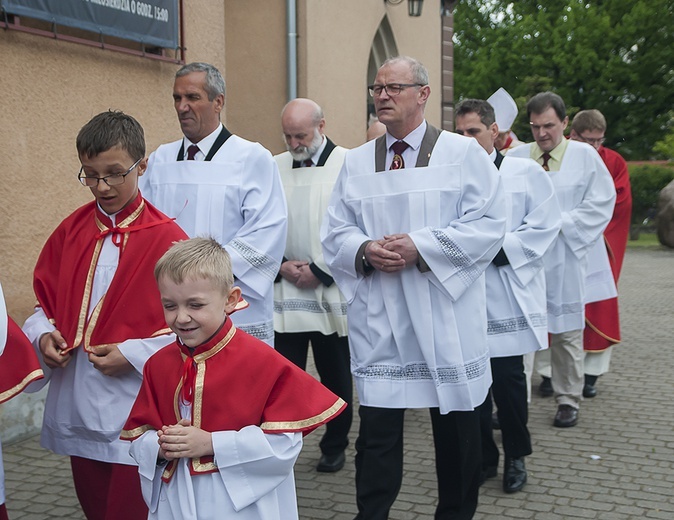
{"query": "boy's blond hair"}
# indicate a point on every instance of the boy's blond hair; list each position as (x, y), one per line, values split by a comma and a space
(196, 258)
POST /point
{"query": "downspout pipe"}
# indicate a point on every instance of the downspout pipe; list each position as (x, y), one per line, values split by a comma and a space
(291, 58)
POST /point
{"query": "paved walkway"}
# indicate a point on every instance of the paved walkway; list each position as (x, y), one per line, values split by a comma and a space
(617, 464)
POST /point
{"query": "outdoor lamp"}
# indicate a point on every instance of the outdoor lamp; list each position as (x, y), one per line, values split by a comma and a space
(413, 6)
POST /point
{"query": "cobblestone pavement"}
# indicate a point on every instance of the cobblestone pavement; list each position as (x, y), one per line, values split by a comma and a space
(617, 464)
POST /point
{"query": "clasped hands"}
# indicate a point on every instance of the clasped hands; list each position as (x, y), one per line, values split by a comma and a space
(392, 253)
(107, 358)
(183, 440)
(298, 273)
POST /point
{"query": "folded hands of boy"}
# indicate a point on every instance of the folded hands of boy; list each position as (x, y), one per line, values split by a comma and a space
(183, 440)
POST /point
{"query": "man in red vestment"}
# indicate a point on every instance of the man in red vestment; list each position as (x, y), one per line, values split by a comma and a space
(602, 326)
(99, 317)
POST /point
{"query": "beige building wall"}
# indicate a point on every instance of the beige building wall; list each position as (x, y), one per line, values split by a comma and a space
(335, 50)
(255, 35)
(51, 88)
(334, 41)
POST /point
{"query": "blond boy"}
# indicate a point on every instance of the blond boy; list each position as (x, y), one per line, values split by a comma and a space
(219, 420)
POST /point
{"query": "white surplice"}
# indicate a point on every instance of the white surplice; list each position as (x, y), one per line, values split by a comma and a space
(419, 339)
(236, 198)
(254, 481)
(599, 281)
(85, 410)
(586, 195)
(516, 296)
(307, 191)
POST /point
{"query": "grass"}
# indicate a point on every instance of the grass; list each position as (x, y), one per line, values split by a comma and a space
(645, 240)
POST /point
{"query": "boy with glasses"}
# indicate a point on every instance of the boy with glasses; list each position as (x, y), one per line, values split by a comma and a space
(96, 299)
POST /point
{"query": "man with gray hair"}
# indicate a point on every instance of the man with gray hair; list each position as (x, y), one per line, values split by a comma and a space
(308, 306)
(414, 220)
(218, 184)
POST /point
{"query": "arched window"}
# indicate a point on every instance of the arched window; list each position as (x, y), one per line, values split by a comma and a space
(383, 47)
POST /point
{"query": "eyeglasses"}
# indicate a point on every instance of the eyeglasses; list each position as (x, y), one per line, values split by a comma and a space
(111, 180)
(593, 142)
(392, 89)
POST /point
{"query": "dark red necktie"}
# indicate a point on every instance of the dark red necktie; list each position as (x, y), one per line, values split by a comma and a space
(398, 148)
(307, 163)
(192, 151)
(546, 158)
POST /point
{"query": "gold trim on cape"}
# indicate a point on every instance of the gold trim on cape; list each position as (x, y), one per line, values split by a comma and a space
(305, 423)
(82, 337)
(8, 394)
(129, 435)
(600, 333)
(86, 297)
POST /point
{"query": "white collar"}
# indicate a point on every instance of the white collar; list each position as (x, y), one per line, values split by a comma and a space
(413, 139)
(206, 143)
(314, 158)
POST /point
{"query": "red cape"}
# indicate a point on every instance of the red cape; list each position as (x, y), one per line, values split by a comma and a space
(19, 365)
(64, 274)
(240, 381)
(601, 318)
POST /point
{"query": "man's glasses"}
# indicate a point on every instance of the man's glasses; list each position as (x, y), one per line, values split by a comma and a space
(593, 142)
(392, 89)
(111, 180)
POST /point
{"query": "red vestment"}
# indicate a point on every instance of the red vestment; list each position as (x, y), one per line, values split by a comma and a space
(237, 381)
(131, 307)
(601, 318)
(19, 365)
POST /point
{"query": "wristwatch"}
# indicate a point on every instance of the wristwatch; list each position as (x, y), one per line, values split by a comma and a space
(367, 267)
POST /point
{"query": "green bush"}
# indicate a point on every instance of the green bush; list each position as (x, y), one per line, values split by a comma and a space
(647, 181)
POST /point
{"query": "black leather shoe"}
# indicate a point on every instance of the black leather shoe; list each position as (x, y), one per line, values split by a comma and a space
(566, 416)
(589, 391)
(514, 475)
(331, 463)
(545, 388)
(488, 472)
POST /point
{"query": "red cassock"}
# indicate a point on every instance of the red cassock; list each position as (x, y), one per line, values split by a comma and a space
(232, 381)
(131, 307)
(19, 365)
(601, 318)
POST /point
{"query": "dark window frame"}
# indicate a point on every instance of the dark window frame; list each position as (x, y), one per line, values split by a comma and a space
(13, 22)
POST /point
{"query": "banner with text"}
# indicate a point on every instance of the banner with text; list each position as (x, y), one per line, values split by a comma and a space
(152, 22)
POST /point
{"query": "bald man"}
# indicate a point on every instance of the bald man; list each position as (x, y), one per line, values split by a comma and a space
(308, 306)
(376, 129)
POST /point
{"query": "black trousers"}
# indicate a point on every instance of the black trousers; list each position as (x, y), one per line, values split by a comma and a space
(331, 355)
(379, 462)
(509, 390)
